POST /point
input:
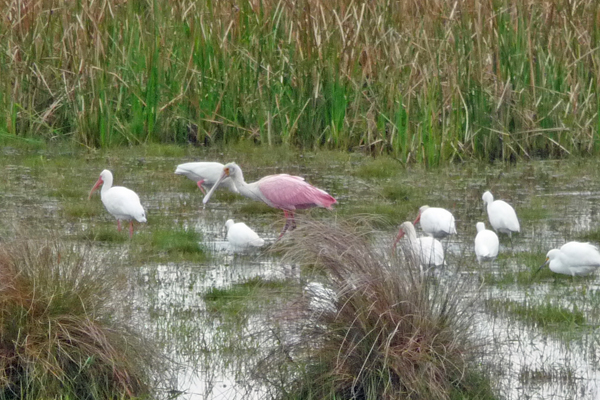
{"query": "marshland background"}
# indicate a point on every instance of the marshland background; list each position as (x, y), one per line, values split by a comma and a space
(386, 105)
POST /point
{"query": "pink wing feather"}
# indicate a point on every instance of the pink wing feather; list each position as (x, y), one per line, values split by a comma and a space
(291, 192)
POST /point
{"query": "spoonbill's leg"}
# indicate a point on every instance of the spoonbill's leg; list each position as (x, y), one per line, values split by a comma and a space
(130, 229)
(287, 224)
(199, 183)
(293, 226)
(119, 225)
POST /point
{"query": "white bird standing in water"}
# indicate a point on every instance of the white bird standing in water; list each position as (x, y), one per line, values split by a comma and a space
(241, 236)
(124, 204)
(205, 174)
(486, 243)
(502, 216)
(435, 221)
(573, 258)
(428, 250)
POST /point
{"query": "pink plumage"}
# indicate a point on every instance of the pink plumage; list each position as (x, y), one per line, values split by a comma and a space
(283, 191)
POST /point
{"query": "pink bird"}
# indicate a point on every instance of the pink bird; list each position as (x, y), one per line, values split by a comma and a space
(122, 203)
(283, 191)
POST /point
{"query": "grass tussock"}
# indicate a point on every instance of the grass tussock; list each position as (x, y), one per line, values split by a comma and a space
(549, 316)
(60, 334)
(379, 329)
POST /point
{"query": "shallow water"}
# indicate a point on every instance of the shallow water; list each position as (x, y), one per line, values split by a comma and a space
(557, 201)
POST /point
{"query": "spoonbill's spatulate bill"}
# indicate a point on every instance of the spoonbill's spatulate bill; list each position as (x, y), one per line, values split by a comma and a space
(435, 221)
(573, 258)
(122, 203)
(205, 174)
(502, 216)
(286, 192)
(427, 250)
(241, 236)
(486, 243)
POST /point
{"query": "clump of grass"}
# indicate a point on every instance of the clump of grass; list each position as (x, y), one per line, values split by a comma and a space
(60, 331)
(171, 244)
(235, 301)
(393, 332)
(105, 233)
(383, 167)
(549, 316)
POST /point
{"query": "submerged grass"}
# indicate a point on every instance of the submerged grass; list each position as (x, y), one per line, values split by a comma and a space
(549, 316)
(61, 332)
(512, 78)
(380, 329)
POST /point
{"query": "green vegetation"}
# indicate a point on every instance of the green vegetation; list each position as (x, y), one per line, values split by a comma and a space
(426, 83)
(60, 327)
(382, 330)
(549, 316)
(174, 244)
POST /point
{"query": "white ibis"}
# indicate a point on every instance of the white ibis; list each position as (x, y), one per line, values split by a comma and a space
(435, 221)
(502, 216)
(486, 243)
(124, 204)
(427, 250)
(205, 174)
(286, 192)
(573, 258)
(241, 236)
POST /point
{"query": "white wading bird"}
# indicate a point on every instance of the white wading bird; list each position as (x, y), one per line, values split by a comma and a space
(124, 204)
(573, 258)
(486, 243)
(435, 221)
(502, 216)
(427, 250)
(205, 174)
(241, 236)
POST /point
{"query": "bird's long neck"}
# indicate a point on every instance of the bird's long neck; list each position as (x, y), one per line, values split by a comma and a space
(106, 185)
(249, 190)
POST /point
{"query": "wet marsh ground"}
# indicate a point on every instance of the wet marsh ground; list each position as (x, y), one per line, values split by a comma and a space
(207, 306)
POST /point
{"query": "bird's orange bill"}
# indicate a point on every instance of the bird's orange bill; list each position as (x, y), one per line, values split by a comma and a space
(224, 175)
(400, 235)
(98, 183)
(418, 218)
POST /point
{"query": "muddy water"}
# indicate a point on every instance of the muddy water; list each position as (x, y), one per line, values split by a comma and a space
(557, 201)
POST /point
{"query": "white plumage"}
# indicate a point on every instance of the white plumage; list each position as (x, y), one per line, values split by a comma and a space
(205, 174)
(124, 204)
(502, 216)
(428, 250)
(241, 236)
(435, 221)
(486, 243)
(573, 258)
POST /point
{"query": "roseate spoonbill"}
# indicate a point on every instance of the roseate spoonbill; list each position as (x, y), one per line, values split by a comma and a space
(486, 243)
(573, 258)
(204, 174)
(428, 250)
(435, 221)
(283, 191)
(241, 236)
(124, 204)
(502, 216)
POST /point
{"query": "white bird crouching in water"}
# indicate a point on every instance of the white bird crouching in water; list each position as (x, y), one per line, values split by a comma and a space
(486, 244)
(573, 258)
(241, 236)
(122, 203)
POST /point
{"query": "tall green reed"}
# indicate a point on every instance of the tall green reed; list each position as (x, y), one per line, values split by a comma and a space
(428, 82)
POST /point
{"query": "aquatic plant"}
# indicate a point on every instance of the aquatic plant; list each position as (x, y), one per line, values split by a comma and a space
(61, 329)
(427, 82)
(388, 331)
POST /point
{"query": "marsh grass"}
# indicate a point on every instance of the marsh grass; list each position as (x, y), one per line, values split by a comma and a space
(242, 299)
(61, 330)
(548, 316)
(172, 244)
(391, 332)
(511, 79)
